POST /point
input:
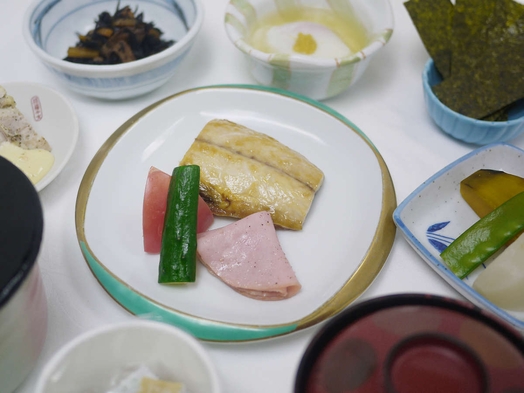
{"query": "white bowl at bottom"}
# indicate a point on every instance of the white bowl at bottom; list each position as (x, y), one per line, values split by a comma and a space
(92, 361)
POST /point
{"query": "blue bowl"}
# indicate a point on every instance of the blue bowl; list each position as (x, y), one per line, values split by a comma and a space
(51, 26)
(465, 128)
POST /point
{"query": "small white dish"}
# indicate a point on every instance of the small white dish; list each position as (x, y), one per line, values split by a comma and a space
(435, 214)
(52, 116)
(345, 241)
(96, 360)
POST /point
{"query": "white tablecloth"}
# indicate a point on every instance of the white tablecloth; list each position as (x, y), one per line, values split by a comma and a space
(386, 104)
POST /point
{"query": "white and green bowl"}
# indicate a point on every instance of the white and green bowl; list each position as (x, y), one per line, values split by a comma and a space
(317, 78)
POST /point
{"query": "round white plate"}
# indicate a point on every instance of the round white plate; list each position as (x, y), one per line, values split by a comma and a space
(345, 241)
(52, 116)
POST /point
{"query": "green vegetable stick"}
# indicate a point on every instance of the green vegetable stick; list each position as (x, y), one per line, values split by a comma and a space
(179, 240)
(485, 237)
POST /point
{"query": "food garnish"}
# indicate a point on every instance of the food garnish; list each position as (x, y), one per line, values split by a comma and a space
(150, 385)
(154, 210)
(485, 237)
(486, 189)
(478, 48)
(502, 282)
(141, 379)
(245, 172)
(247, 256)
(118, 38)
(179, 238)
(305, 44)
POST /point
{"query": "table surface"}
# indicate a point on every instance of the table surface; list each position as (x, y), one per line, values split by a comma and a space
(386, 104)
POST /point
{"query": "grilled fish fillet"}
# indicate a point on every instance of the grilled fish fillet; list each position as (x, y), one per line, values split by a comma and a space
(15, 128)
(243, 172)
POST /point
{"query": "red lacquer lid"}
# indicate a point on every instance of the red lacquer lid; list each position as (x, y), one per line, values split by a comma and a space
(21, 227)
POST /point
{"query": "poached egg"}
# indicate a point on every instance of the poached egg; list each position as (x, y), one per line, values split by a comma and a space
(303, 38)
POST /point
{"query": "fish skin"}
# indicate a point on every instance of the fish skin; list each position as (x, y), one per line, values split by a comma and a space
(263, 148)
(246, 255)
(243, 172)
(15, 128)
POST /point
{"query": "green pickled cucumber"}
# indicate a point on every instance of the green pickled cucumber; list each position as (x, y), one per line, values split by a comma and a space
(179, 238)
(485, 237)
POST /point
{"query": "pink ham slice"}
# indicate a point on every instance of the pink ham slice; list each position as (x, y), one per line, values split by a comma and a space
(247, 256)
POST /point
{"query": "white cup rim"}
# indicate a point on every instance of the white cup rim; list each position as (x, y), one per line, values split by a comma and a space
(52, 364)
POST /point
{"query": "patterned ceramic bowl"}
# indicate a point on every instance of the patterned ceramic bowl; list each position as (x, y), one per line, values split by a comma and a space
(315, 77)
(413, 343)
(435, 214)
(23, 305)
(465, 128)
(51, 26)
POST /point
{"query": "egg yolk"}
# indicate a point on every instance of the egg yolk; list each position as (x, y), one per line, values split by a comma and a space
(305, 44)
(308, 31)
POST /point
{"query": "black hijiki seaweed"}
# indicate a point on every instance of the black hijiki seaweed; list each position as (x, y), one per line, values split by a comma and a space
(118, 38)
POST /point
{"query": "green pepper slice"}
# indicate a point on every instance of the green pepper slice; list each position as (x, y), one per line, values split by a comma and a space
(179, 238)
(485, 237)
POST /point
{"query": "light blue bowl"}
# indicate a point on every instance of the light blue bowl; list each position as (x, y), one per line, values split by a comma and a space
(51, 26)
(465, 128)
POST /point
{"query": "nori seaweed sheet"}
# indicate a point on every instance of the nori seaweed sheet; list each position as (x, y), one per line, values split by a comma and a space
(487, 58)
(433, 20)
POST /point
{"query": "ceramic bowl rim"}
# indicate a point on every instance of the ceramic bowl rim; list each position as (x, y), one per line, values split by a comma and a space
(70, 346)
(314, 62)
(116, 69)
(427, 88)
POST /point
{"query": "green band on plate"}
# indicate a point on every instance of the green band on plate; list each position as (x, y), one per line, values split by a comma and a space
(202, 329)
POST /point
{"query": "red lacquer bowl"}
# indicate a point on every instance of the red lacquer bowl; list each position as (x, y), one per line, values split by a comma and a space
(412, 343)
